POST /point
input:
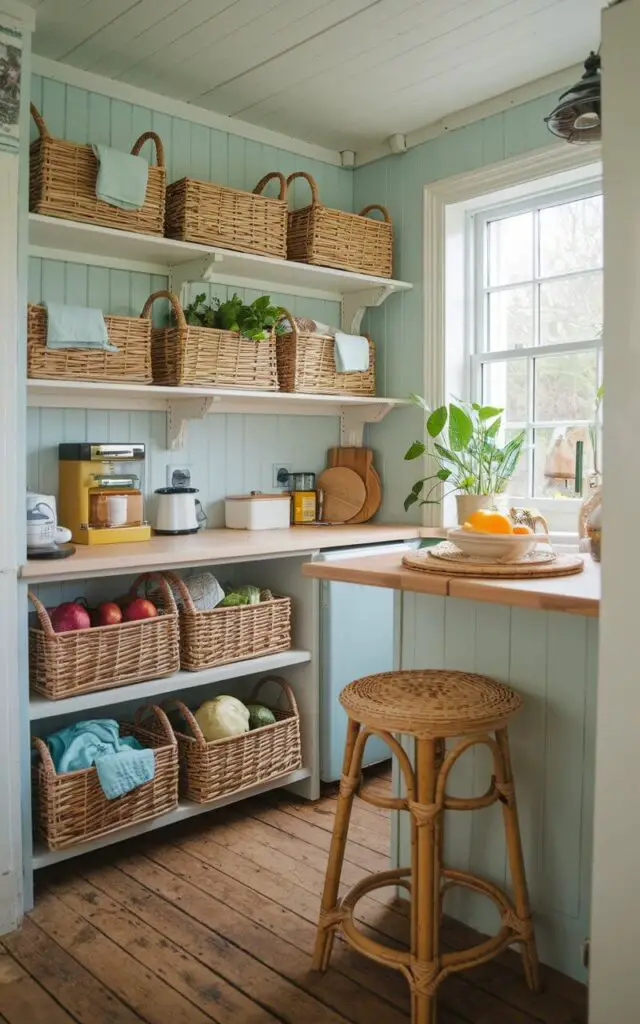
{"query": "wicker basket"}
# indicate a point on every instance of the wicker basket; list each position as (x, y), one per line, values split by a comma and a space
(130, 334)
(199, 211)
(71, 807)
(205, 356)
(225, 635)
(307, 365)
(334, 238)
(84, 660)
(62, 183)
(211, 770)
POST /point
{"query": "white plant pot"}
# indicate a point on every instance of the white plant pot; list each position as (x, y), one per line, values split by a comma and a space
(469, 503)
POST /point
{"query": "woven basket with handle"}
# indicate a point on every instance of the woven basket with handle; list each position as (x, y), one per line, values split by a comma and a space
(210, 770)
(132, 362)
(307, 365)
(334, 238)
(62, 183)
(71, 808)
(185, 355)
(224, 635)
(199, 211)
(99, 658)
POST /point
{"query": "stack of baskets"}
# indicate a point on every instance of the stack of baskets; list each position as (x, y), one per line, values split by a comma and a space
(185, 355)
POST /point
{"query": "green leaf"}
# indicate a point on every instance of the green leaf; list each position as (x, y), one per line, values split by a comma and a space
(443, 474)
(460, 428)
(415, 451)
(487, 412)
(437, 421)
(410, 500)
(493, 429)
(419, 401)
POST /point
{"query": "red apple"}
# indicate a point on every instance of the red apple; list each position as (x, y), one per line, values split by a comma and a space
(140, 608)
(69, 616)
(107, 614)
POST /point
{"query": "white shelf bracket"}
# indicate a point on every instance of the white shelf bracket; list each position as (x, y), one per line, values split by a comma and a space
(179, 412)
(354, 304)
(352, 423)
(181, 275)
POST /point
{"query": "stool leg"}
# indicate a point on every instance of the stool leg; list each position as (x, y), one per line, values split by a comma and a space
(425, 888)
(516, 865)
(351, 769)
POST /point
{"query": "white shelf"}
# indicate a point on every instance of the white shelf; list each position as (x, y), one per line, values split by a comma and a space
(40, 708)
(42, 857)
(69, 240)
(183, 404)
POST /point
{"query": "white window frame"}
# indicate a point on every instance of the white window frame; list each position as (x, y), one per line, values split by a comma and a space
(446, 204)
(478, 343)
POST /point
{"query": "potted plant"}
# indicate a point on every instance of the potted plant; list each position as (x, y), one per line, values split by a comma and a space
(255, 321)
(469, 458)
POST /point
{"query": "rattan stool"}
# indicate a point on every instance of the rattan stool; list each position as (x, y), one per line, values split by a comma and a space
(431, 706)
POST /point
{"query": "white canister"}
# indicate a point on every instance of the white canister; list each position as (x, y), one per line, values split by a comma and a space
(257, 511)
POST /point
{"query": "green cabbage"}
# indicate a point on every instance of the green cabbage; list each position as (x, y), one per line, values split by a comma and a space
(222, 717)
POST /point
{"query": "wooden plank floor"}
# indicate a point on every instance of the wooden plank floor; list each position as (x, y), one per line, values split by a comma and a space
(214, 920)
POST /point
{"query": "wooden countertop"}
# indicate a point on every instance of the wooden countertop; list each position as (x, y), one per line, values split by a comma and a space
(209, 547)
(575, 595)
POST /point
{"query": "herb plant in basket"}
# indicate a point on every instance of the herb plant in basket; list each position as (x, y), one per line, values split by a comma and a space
(255, 321)
(464, 444)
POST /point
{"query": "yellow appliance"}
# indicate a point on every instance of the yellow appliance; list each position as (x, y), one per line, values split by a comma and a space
(100, 492)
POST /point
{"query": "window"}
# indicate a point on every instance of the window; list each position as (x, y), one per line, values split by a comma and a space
(536, 329)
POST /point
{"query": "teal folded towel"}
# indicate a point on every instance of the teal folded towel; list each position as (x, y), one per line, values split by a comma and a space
(122, 762)
(122, 178)
(120, 773)
(352, 353)
(76, 327)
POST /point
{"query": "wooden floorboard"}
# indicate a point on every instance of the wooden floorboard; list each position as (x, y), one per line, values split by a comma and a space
(214, 921)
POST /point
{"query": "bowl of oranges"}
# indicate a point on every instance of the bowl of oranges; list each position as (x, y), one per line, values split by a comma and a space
(489, 535)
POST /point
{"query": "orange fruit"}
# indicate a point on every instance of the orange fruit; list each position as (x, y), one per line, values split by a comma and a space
(486, 520)
(522, 529)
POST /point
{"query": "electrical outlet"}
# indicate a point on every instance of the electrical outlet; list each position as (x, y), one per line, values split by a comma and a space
(178, 476)
(281, 474)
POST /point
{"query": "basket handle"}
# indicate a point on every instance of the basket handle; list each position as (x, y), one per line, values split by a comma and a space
(157, 142)
(191, 721)
(174, 303)
(153, 709)
(165, 589)
(315, 198)
(376, 206)
(44, 754)
(269, 177)
(43, 615)
(286, 315)
(172, 580)
(284, 686)
(43, 131)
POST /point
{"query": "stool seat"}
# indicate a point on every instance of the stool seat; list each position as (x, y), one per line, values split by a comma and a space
(432, 703)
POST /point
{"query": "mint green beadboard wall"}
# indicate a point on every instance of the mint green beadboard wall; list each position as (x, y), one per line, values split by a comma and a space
(226, 454)
(397, 327)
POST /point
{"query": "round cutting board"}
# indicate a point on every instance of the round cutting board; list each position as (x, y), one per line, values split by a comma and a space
(344, 494)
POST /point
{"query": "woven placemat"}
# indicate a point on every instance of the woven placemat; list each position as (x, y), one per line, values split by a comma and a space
(450, 552)
(564, 565)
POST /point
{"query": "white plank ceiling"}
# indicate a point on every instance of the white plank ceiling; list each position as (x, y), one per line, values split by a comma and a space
(341, 73)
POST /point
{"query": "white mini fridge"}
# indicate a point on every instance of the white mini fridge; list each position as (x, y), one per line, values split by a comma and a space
(358, 638)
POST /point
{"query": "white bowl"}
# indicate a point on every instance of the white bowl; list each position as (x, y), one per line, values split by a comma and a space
(505, 547)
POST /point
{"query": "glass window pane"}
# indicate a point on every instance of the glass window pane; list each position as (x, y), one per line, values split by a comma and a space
(519, 483)
(571, 236)
(565, 387)
(554, 456)
(504, 385)
(510, 319)
(510, 249)
(571, 309)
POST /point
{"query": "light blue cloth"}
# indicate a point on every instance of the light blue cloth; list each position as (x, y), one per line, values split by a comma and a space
(122, 178)
(120, 773)
(76, 327)
(352, 353)
(122, 762)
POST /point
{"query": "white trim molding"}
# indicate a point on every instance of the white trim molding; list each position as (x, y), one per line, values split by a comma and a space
(21, 15)
(178, 108)
(460, 188)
